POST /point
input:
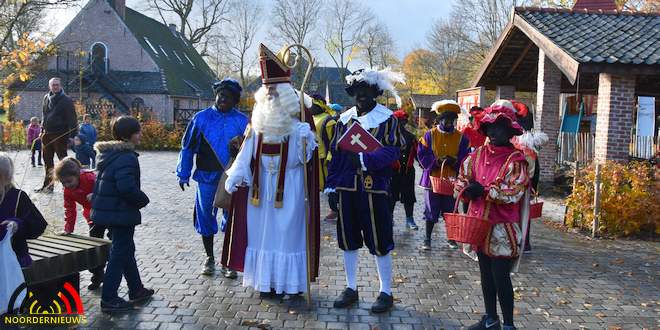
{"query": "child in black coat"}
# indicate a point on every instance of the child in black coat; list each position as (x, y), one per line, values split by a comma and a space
(116, 203)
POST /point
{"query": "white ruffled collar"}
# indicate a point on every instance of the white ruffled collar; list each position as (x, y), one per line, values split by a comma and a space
(372, 119)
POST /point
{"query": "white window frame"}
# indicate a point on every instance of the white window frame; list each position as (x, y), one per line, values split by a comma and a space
(153, 49)
(177, 56)
(189, 61)
(107, 51)
(163, 51)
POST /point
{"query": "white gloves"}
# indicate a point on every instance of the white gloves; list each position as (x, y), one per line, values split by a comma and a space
(12, 226)
(304, 130)
(232, 183)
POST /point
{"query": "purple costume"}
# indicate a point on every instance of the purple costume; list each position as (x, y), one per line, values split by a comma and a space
(436, 204)
(364, 203)
(17, 206)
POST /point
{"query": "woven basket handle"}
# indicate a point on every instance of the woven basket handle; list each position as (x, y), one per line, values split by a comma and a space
(536, 195)
(442, 168)
(458, 199)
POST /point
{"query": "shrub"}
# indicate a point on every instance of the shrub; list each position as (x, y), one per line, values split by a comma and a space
(155, 135)
(629, 199)
(14, 134)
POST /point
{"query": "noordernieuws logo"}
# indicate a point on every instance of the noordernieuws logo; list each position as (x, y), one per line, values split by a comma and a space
(46, 309)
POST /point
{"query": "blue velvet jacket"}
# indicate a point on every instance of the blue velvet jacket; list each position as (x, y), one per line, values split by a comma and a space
(208, 135)
(342, 174)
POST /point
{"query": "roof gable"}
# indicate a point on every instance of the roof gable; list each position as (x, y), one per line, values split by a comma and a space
(186, 73)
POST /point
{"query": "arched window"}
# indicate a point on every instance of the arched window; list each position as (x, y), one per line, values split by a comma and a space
(99, 57)
(138, 103)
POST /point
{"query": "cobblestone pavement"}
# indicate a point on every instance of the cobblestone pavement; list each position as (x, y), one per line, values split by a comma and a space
(567, 282)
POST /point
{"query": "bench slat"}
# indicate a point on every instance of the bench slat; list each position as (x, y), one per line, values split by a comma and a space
(82, 239)
(64, 248)
(57, 251)
(40, 253)
(57, 256)
(66, 243)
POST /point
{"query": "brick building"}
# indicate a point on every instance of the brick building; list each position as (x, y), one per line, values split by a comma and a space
(591, 49)
(111, 52)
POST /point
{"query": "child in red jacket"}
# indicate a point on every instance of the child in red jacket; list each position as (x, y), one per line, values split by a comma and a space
(78, 187)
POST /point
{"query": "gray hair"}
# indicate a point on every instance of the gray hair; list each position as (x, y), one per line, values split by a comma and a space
(6, 174)
(54, 79)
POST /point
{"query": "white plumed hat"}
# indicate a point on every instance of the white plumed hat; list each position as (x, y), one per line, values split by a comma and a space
(383, 79)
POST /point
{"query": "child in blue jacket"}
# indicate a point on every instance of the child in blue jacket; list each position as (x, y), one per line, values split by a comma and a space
(116, 203)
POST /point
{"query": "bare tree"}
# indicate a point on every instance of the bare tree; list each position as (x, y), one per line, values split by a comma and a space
(377, 45)
(195, 18)
(294, 21)
(453, 59)
(25, 16)
(237, 38)
(484, 21)
(345, 27)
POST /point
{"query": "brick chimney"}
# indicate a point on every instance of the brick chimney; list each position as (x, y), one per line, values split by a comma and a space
(119, 6)
(172, 28)
(594, 5)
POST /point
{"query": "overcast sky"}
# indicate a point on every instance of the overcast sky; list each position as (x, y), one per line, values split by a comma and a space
(408, 20)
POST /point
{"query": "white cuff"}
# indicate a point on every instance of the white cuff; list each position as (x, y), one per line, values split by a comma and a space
(329, 190)
(364, 168)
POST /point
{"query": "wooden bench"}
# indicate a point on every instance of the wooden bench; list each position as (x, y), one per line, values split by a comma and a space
(59, 259)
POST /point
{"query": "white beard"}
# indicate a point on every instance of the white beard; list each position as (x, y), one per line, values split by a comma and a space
(275, 116)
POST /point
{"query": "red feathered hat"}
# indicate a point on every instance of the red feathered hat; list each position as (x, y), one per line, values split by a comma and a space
(520, 108)
(501, 109)
(273, 69)
(401, 115)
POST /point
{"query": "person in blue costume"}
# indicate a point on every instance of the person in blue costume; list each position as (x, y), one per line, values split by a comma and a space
(212, 139)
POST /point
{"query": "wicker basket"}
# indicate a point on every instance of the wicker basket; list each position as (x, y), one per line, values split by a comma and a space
(440, 185)
(466, 228)
(535, 209)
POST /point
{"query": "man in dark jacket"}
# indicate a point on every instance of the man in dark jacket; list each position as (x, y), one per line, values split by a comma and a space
(60, 123)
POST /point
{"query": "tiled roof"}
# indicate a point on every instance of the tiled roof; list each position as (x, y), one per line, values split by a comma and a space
(132, 82)
(599, 36)
(316, 84)
(186, 72)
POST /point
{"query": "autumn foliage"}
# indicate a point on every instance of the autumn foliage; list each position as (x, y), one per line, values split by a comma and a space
(629, 199)
(155, 135)
(19, 65)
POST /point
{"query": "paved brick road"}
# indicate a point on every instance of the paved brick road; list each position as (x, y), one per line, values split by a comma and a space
(568, 281)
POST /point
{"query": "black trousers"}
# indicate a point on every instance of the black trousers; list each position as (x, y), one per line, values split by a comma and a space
(53, 144)
(365, 219)
(496, 283)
